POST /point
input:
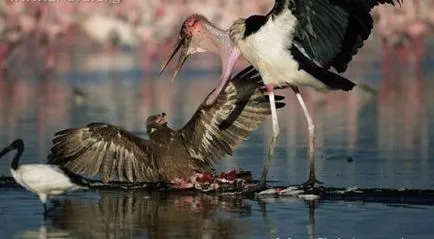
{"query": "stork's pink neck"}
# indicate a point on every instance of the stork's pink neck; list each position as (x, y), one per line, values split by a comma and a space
(215, 40)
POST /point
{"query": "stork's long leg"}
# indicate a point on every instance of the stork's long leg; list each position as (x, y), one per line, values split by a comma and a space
(275, 136)
(311, 161)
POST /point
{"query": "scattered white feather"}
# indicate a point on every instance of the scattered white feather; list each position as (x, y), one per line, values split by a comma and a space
(268, 192)
(290, 191)
(350, 189)
(309, 197)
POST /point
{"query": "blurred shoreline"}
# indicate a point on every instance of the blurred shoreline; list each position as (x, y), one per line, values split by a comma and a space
(61, 34)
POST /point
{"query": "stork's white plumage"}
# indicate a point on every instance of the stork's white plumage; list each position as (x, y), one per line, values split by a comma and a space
(42, 179)
(294, 45)
(277, 66)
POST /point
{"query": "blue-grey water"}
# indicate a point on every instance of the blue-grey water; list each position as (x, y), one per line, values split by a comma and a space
(384, 126)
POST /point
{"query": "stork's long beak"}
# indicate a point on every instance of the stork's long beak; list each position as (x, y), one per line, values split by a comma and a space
(183, 43)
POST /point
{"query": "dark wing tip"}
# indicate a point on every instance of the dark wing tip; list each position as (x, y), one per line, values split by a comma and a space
(276, 98)
(280, 105)
(232, 117)
(65, 131)
(225, 124)
(74, 178)
(246, 73)
(96, 124)
(279, 97)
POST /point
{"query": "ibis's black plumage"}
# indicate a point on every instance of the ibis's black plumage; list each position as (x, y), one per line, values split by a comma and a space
(213, 132)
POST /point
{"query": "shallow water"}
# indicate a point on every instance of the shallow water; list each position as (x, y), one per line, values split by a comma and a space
(378, 135)
(115, 214)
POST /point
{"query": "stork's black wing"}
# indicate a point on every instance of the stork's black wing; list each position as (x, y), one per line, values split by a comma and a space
(330, 32)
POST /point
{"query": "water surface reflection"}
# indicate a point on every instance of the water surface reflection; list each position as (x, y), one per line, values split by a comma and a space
(138, 214)
(156, 215)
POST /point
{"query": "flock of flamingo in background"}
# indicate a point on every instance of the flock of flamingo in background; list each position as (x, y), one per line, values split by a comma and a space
(152, 24)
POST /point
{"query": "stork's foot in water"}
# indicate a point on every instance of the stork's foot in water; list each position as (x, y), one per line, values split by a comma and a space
(310, 183)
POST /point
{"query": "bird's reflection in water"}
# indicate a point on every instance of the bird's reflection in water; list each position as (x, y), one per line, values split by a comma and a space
(310, 204)
(311, 223)
(43, 233)
(156, 215)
